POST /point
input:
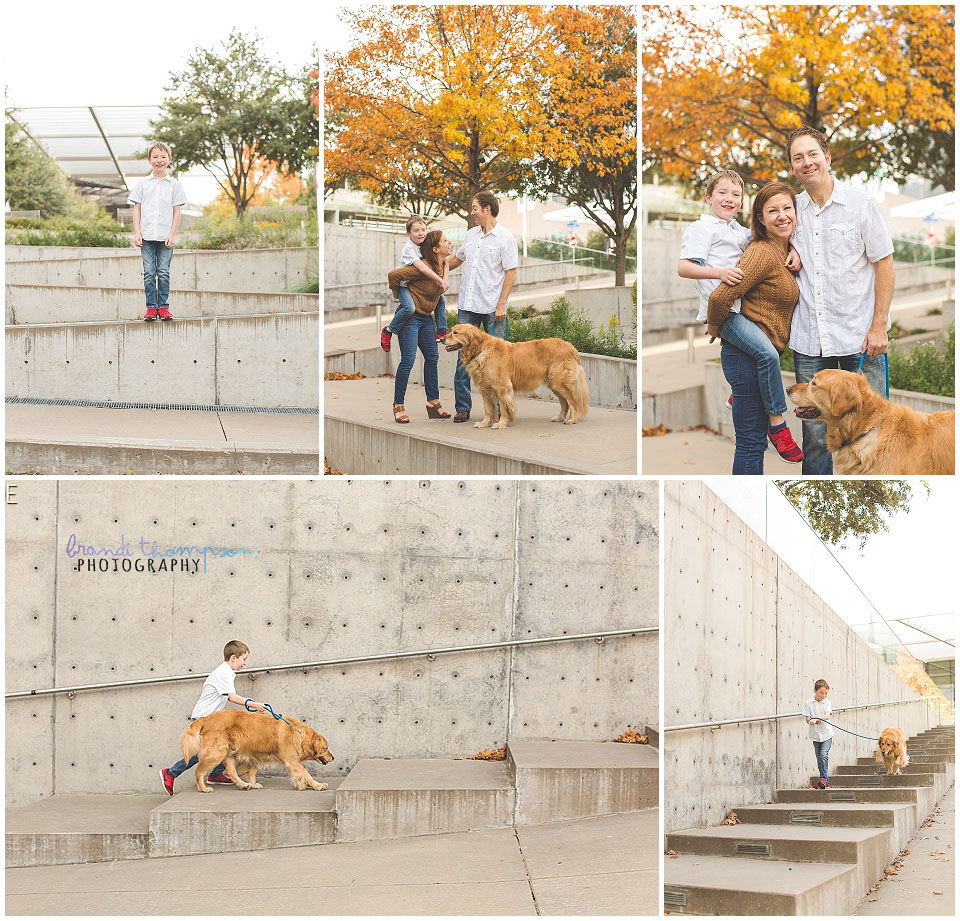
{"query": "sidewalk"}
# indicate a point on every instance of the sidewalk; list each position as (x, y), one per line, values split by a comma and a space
(700, 453)
(929, 868)
(601, 866)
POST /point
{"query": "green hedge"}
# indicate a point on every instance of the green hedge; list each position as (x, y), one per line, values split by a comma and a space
(71, 235)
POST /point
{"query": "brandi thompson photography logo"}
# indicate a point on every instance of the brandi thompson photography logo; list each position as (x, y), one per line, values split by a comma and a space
(143, 554)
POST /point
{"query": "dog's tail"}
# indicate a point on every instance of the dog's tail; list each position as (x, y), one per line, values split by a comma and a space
(190, 741)
(581, 394)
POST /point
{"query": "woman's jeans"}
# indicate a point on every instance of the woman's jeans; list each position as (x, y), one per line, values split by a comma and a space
(816, 457)
(749, 416)
(822, 750)
(745, 335)
(156, 273)
(405, 310)
(417, 332)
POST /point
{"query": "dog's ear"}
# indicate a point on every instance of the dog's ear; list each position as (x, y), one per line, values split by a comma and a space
(845, 394)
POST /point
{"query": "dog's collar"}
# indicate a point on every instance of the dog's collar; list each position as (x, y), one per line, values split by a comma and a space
(847, 444)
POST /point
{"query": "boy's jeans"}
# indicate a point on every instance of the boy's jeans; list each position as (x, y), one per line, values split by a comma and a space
(816, 457)
(177, 769)
(405, 310)
(822, 750)
(156, 272)
(751, 340)
(461, 380)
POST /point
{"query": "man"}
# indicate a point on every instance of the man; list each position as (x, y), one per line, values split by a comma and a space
(846, 282)
(489, 256)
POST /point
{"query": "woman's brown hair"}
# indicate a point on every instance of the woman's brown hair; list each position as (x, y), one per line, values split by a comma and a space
(763, 196)
(430, 241)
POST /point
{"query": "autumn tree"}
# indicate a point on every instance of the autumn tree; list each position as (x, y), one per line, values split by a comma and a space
(840, 510)
(231, 108)
(433, 104)
(590, 91)
(725, 87)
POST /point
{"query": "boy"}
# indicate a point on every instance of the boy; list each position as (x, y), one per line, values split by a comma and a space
(416, 234)
(156, 201)
(216, 691)
(815, 710)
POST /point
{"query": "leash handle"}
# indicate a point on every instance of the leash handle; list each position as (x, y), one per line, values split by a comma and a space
(857, 734)
(886, 376)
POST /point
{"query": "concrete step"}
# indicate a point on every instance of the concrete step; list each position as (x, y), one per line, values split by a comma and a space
(265, 361)
(913, 767)
(79, 829)
(361, 437)
(700, 885)
(923, 796)
(410, 796)
(89, 440)
(914, 759)
(556, 781)
(36, 304)
(229, 819)
(878, 780)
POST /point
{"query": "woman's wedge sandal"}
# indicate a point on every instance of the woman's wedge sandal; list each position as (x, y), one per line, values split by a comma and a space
(399, 414)
(436, 411)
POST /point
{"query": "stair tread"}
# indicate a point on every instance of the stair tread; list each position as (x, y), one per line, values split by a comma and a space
(427, 774)
(582, 755)
(783, 832)
(749, 875)
(277, 795)
(830, 807)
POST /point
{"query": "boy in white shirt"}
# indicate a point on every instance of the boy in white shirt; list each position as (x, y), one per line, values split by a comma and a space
(217, 690)
(156, 201)
(411, 255)
(815, 710)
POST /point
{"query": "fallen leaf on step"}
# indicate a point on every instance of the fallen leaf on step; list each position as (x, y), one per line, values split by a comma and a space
(688, 461)
(731, 819)
(873, 900)
(936, 892)
(671, 854)
(928, 877)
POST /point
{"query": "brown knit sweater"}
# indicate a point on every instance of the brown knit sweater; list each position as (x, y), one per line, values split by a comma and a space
(424, 290)
(768, 293)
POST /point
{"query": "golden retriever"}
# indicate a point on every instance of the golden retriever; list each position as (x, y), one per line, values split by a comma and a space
(236, 737)
(501, 369)
(868, 434)
(892, 750)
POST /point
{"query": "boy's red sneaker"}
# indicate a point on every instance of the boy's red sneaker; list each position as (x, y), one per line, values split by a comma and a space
(219, 778)
(786, 447)
(729, 403)
(166, 778)
(385, 335)
(164, 314)
(150, 315)
(440, 334)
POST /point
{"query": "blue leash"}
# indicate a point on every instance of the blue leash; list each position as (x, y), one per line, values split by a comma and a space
(886, 381)
(857, 734)
(276, 716)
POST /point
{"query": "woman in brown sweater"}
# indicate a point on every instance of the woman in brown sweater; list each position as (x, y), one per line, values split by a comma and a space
(754, 338)
(419, 330)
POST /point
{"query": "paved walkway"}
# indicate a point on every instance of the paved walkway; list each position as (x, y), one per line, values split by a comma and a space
(926, 883)
(603, 866)
(700, 453)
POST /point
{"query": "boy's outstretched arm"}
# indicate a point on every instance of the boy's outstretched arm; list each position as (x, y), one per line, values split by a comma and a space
(730, 275)
(793, 259)
(424, 269)
(241, 702)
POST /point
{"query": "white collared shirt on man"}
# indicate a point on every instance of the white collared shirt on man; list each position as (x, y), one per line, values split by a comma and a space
(838, 245)
(717, 244)
(157, 198)
(487, 257)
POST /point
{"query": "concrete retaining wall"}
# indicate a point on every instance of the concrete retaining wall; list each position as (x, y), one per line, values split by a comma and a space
(26, 304)
(253, 361)
(261, 270)
(746, 637)
(342, 568)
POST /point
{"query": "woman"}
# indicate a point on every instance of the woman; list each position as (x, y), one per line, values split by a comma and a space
(419, 330)
(754, 338)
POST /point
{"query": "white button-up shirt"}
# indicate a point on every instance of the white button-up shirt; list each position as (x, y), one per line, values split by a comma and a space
(816, 710)
(716, 244)
(487, 257)
(157, 198)
(838, 245)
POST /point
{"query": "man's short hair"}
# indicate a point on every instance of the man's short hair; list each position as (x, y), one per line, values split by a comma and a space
(488, 200)
(164, 147)
(714, 180)
(235, 648)
(818, 136)
(415, 219)
(820, 683)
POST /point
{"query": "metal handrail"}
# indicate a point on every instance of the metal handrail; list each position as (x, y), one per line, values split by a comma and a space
(716, 724)
(352, 660)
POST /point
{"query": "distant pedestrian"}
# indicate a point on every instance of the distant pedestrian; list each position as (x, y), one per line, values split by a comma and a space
(157, 200)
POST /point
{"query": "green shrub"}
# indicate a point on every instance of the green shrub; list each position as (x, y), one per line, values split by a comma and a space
(924, 369)
(231, 234)
(71, 233)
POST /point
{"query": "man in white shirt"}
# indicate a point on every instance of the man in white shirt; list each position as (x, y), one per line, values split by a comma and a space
(815, 711)
(846, 282)
(490, 257)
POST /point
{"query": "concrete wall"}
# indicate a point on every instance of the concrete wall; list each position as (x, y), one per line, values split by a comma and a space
(261, 270)
(744, 636)
(342, 569)
(252, 361)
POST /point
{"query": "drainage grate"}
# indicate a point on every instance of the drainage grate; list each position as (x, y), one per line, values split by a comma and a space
(747, 847)
(675, 897)
(807, 818)
(868, 781)
(199, 407)
(837, 797)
